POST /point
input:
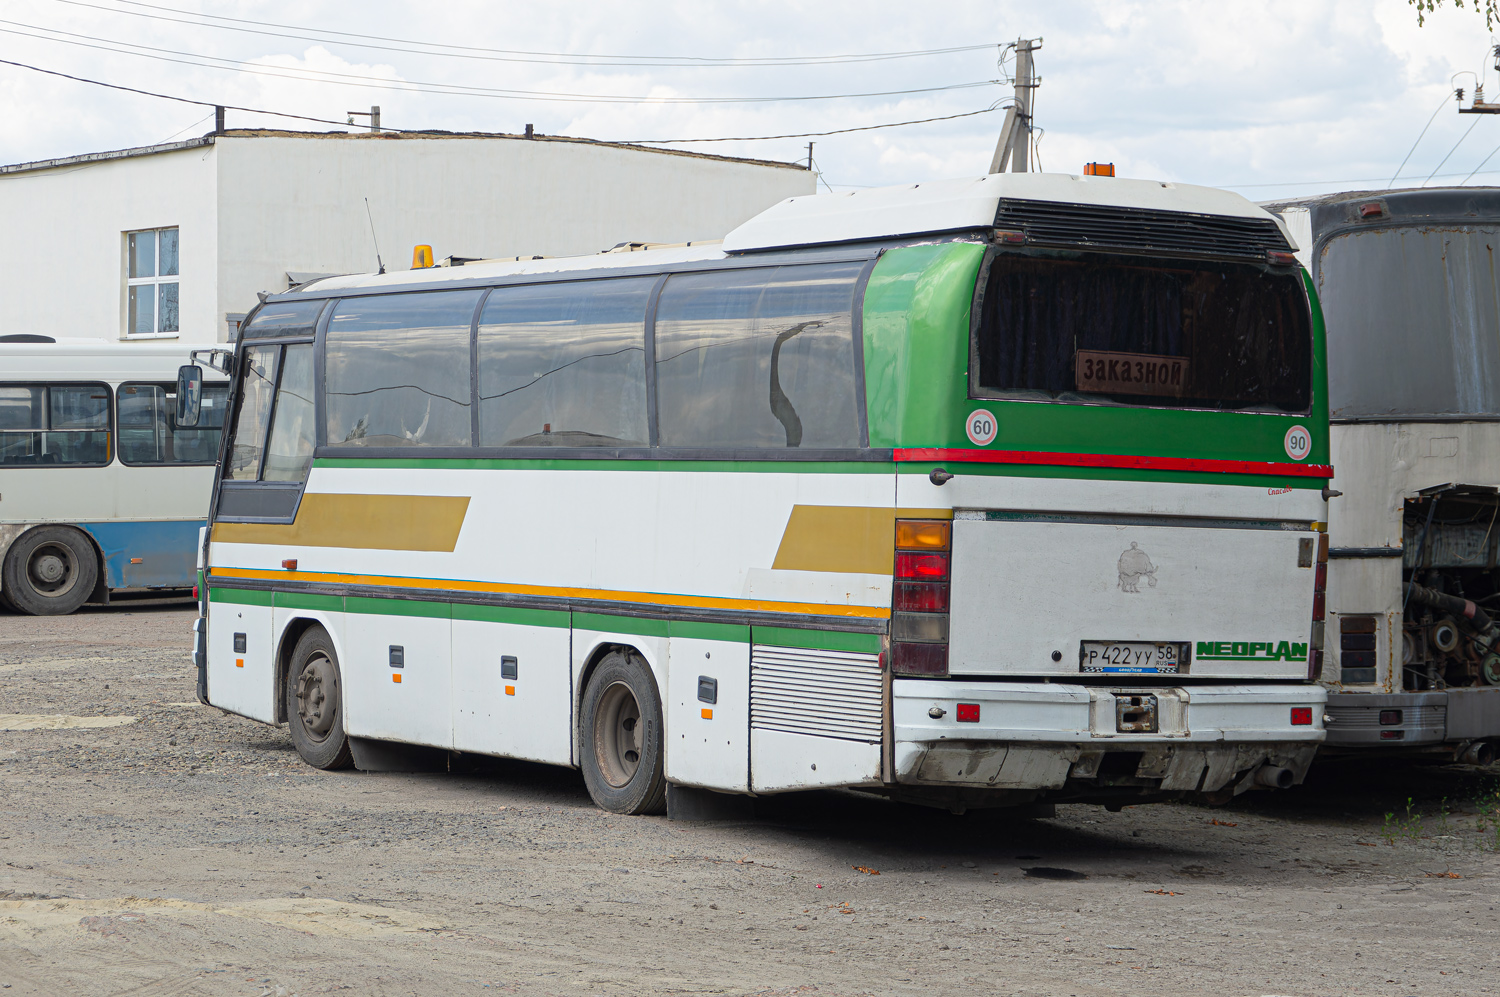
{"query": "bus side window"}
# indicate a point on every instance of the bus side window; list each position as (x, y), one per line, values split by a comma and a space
(290, 449)
(257, 382)
(563, 364)
(758, 358)
(143, 414)
(54, 424)
(397, 370)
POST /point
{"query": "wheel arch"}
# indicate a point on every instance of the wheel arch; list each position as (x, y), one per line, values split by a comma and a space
(603, 646)
(286, 643)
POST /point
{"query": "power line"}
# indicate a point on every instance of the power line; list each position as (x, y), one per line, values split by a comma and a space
(506, 55)
(417, 86)
(1417, 142)
(326, 121)
(1451, 151)
(1315, 183)
(836, 131)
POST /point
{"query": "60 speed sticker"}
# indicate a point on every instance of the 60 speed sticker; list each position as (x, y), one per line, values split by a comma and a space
(982, 427)
(1298, 442)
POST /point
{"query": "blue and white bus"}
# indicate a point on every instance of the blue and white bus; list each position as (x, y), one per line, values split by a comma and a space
(100, 491)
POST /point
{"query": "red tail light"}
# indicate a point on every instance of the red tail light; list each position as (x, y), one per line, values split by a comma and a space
(919, 602)
(926, 567)
(967, 713)
(1301, 716)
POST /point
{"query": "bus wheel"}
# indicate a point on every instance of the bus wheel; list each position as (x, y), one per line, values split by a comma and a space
(49, 571)
(622, 737)
(315, 701)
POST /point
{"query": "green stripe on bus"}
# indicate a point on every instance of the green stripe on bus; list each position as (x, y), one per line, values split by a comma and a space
(511, 614)
(240, 597)
(622, 464)
(304, 600)
(621, 624)
(398, 607)
(822, 640)
(709, 631)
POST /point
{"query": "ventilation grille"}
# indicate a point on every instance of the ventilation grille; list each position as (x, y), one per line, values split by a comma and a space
(1083, 226)
(1344, 718)
(822, 693)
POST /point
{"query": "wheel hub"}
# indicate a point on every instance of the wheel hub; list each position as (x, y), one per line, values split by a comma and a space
(317, 697)
(50, 569)
(618, 735)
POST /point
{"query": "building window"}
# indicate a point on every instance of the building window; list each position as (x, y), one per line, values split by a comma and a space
(151, 282)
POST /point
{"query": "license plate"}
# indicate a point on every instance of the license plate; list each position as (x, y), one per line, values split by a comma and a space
(1132, 657)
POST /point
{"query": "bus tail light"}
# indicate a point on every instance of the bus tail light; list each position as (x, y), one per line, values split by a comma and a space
(919, 604)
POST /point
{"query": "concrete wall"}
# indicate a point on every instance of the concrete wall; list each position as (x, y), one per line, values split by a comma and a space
(251, 207)
(62, 256)
(297, 203)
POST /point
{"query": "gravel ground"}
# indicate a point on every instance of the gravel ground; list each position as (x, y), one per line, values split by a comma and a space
(190, 852)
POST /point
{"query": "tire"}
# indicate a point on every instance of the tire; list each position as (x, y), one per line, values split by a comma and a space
(622, 737)
(315, 702)
(49, 571)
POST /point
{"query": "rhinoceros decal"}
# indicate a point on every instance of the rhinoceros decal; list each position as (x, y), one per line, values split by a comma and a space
(1135, 565)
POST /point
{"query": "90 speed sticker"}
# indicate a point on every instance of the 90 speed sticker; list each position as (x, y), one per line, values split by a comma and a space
(982, 427)
(1298, 443)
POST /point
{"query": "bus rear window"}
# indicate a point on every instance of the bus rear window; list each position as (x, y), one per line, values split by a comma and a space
(1136, 331)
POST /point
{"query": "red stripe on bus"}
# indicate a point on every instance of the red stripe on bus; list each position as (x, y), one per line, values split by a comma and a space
(1116, 460)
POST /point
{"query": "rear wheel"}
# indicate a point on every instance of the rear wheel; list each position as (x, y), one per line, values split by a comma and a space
(49, 571)
(622, 737)
(315, 703)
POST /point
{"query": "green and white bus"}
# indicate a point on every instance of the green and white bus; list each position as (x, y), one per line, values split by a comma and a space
(987, 492)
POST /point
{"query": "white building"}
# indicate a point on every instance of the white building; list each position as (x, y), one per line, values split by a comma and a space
(174, 240)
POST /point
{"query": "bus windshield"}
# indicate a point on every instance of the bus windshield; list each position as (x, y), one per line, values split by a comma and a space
(1413, 322)
(1143, 331)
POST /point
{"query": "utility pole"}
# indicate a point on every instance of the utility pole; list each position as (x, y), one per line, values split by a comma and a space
(809, 157)
(373, 114)
(1014, 143)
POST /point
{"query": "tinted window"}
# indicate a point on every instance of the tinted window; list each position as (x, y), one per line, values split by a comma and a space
(397, 370)
(54, 424)
(758, 358)
(293, 433)
(1145, 332)
(148, 431)
(1413, 322)
(284, 318)
(564, 364)
(257, 384)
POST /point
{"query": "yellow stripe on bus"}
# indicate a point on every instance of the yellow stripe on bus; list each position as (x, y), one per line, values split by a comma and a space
(361, 522)
(844, 538)
(607, 595)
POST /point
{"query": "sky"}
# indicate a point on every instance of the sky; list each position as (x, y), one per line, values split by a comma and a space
(1272, 99)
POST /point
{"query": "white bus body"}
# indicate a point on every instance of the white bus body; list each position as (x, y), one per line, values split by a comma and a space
(99, 492)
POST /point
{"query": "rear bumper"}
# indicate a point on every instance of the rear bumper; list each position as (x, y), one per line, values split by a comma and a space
(1425, 718)
(1040, 736)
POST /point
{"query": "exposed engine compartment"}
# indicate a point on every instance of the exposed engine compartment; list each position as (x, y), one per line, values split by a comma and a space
(1451, 588)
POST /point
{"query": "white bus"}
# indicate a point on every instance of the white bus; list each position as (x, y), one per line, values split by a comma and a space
(973, 493)
(101, 492)
(1409, 287)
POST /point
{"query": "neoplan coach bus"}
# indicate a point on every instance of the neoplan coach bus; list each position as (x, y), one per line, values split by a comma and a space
(1408, 280)
(973, 493)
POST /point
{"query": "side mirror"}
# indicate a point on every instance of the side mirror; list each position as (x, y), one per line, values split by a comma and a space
(189, 394)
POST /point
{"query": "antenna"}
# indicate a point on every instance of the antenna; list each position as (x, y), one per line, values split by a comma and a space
(378, 261)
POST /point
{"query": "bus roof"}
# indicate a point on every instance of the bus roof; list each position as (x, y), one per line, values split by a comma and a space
(96, 359)
(880, 213)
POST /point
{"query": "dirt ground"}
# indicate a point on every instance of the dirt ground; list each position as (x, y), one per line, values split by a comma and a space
(189, 852)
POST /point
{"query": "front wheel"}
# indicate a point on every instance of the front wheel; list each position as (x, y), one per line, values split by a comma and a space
(49, 571)
(315, 703)
(622, 737)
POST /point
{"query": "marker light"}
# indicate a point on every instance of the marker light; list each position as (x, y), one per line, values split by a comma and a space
(967, 713)
(924, 567)
(1301, 716)
(421, 257)
(922, 534)
(1098, 169)
(290, 564)
(1390, 718)
(1277, 258)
